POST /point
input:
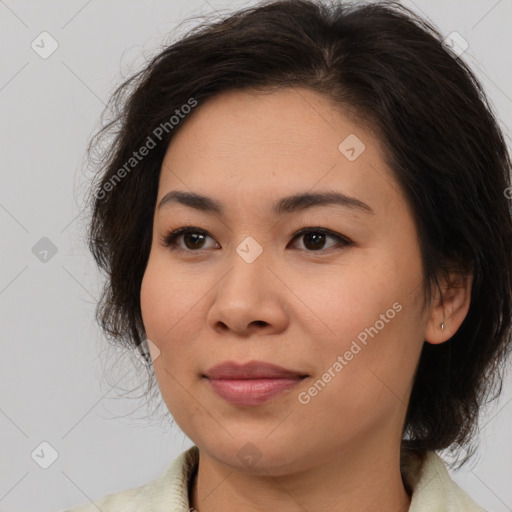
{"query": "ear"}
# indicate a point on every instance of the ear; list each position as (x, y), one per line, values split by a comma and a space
(450, 308)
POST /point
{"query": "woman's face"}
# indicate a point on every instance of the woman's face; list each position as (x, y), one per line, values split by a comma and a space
(246, 287)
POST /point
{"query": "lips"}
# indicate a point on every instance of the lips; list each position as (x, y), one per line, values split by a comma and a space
(251, 370)
(252, 383)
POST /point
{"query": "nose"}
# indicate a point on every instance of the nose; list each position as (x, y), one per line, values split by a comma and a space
(248, 300)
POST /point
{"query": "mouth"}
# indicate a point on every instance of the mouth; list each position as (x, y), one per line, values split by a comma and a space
(251, 370)
(252, 383)
(252, 391)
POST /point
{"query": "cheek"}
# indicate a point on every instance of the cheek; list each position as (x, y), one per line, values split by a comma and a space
(173, 313)
(152, 299)
(367, 318)
(365, 371)
(169, 316)
(340, 303)
(166, 300)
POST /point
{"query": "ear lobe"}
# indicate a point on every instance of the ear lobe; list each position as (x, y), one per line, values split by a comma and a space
(450, 307)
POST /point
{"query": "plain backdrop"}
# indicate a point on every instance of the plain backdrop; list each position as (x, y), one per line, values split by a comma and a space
(55, 408)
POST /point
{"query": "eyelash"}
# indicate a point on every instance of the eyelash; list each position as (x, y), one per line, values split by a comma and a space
(169, 239)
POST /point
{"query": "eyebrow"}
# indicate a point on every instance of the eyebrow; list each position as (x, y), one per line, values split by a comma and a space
(289, 204)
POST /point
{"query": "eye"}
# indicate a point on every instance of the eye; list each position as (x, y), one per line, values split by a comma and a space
(315, 238)
(194, 238)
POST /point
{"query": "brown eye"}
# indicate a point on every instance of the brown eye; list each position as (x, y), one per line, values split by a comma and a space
(193, 239)
(314, 239)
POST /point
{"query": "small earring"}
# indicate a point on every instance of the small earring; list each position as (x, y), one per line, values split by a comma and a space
(442, 326)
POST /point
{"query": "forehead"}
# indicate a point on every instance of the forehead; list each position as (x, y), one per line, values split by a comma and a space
(254, 146)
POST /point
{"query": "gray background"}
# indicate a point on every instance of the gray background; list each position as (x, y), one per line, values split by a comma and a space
(53, 388)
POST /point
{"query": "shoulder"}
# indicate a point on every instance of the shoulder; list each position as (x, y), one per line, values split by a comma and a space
(432, 487)
(168, 493)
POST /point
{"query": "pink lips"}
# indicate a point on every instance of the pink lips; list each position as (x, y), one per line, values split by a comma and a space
(252, 383)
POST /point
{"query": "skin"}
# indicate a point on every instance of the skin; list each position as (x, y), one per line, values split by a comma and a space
(292, 306)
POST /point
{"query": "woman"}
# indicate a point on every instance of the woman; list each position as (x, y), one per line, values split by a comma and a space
(304, 218)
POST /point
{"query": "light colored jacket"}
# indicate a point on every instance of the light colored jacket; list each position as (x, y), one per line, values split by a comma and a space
(433, 490)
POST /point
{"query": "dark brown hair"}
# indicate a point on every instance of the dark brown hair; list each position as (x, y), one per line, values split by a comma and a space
(441, 140)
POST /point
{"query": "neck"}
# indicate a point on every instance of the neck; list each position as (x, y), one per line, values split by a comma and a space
(365, 481)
